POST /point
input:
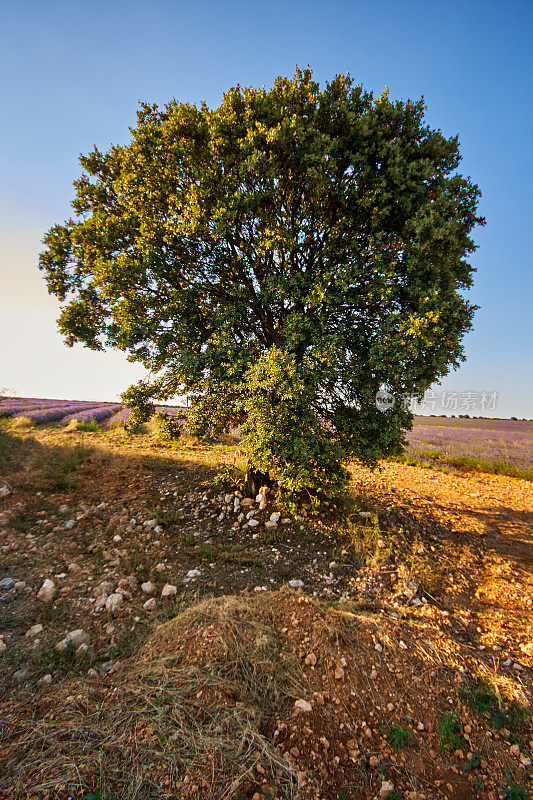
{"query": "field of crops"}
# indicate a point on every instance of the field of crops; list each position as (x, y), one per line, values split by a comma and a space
(500, 446)
(42, 411)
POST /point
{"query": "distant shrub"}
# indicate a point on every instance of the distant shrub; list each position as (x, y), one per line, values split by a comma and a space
(168, 427)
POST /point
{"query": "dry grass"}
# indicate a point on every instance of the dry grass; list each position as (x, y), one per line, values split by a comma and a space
(199, 701)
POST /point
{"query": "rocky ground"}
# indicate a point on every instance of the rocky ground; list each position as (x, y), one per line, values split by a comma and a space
(381, 648)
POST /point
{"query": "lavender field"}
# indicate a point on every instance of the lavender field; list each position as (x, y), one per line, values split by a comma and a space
(41, 411)
(499, 446)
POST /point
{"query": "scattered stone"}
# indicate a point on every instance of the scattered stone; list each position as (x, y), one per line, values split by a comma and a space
(3, 647)
(275, 516)
(83, 650)
(148, 587)
(109, 628)
(46, 680)
(114, 602)
(387, 787)
(63, 509)
(311, 660)
(271, 524)
(47, 592)
(7, 583)
(21, 674)
(193, 573)
(5, 491)
(72, 640)
(296, 584)
(339, 674)
(69, 524)
(150, 604)
(252, 523)
(168, 590)
(35, 630)
(303, 705)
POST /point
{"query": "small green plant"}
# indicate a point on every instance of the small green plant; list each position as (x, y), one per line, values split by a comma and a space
(99, 794)
(450, 732)
(483, 698)
(61, 464)
(91, 426)
(168, 517)
(399, 737)
(513, 791)
(474, 763)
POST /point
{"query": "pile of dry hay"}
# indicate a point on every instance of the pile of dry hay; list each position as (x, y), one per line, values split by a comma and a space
(193, 710)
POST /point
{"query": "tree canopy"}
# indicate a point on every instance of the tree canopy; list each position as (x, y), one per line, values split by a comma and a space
(281, 258)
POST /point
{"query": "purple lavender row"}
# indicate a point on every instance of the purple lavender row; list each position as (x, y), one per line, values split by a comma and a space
(117, 419)
(43, 416)
(122, 416)
(96, 413)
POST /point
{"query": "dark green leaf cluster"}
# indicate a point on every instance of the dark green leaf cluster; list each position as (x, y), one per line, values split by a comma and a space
(281, 258)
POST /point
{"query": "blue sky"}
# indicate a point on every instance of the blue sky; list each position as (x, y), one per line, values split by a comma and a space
(71, 77)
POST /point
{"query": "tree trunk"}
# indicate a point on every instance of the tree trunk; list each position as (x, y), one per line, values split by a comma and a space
(253, 481)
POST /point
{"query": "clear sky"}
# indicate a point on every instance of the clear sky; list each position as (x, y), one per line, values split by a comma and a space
(72, 74)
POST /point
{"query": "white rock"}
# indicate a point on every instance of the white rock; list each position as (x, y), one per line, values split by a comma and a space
(271, 524)
(114, 602)
(296, 584)
(46, 680)
(117, 538)
(228, 498)
(252, 523)
(72, 639)
(386, 788)
(148, 587)
(275, 516)
(5, 491)
(150, 604)
(2, 647)
(303, 705)
(194, 573)
(7, 583)
(82, 650)
(47, 592)
(63, 509)
(35, 630)
(69, 524)
(247, 501)
(168, 590)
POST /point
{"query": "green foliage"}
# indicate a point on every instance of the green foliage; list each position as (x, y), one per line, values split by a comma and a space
(280, 258)
(399, 737)
(98, 794)
(513, 791)
(168, 427)
(482, 697)
(450, 737)
(225, 477)
(89, 427)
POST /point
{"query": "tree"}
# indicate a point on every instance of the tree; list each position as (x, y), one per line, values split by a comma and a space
(281, 257)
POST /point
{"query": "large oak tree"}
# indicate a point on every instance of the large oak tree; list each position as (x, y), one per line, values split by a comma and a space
(281, 258)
